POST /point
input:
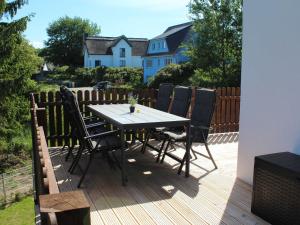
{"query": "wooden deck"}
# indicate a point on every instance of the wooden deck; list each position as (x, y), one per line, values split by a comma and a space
(155, 194)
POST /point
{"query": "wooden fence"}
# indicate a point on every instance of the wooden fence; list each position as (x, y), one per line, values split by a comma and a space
(57, 128)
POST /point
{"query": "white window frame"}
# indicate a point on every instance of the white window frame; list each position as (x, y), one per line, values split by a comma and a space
(121, 53)
(122, 63)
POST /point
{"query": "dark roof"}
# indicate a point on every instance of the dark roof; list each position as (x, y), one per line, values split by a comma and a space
(174, 36)
(103, 45)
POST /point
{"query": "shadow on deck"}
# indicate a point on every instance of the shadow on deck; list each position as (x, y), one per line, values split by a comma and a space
(155, 194)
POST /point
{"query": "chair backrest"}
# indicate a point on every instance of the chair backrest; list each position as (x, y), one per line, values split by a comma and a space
(181, 101)
(76, 119)
(205, 100)
(164, 96)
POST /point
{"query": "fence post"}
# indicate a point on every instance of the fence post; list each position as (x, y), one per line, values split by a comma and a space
(3, 187)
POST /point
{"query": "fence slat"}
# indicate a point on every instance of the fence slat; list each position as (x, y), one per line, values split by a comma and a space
(87, 102)
(52, 117)
(58, 119)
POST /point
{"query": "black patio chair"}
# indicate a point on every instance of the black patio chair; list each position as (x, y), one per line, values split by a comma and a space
(162, 103)
(164, 96)
(72, 107)
(200, 125)
(92, 124)
(98, 142)
(180, 107)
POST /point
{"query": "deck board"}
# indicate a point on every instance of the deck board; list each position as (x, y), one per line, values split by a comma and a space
(155, 194)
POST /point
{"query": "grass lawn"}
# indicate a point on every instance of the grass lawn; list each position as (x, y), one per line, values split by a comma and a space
(19, 213)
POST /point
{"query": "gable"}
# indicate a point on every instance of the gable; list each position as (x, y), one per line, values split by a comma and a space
(174, 37)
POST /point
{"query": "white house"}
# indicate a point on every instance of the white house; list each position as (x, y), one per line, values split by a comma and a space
(269, 120)
(114, 51)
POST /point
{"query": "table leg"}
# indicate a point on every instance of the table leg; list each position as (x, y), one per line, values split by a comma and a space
(188, 148)
(123, 165)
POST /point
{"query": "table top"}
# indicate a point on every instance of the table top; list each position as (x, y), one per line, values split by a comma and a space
(143, 117)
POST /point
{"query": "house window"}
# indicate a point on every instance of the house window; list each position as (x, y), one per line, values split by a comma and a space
(149, 63)
(122, 52)
(158, 62)
(164, 44)
(97, 63)
(158, 45)
(153, 46)
(168, 61)
(122, 63)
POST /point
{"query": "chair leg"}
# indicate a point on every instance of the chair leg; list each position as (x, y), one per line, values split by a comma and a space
(86, 169)
(210, 155)
(70, 151)
(160, 150)
(194, 153)
(63, 147)
(181, 164)
(76, 159)
(145, 142)
(166, 149)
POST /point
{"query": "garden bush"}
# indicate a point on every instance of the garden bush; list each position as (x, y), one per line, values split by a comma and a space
(124, 75)
(173, 73)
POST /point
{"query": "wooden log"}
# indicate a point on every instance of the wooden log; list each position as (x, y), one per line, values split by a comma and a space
(70, 207)
(53, 187)
(44, 169)
(46, 183)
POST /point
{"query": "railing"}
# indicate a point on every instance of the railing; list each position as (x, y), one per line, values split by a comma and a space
(54, 207)
(57, 128)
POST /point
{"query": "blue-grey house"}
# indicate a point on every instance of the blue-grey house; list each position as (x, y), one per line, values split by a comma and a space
(166, 48)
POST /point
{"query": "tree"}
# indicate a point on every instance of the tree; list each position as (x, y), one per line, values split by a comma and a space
(65, 42)
(217, 47)
(18, 61)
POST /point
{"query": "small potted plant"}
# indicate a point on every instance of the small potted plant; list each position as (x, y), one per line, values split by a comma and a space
(132, 101)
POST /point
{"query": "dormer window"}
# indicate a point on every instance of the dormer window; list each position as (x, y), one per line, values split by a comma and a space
(122, 52)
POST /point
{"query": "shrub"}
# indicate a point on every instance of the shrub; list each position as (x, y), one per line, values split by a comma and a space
(214, 77)
(172, 73)
(124, 75)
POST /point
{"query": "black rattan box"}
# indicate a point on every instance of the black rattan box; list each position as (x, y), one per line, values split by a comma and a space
(276, 188)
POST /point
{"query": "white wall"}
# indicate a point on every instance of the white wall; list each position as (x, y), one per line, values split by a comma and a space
(116, 53)
(270, 100)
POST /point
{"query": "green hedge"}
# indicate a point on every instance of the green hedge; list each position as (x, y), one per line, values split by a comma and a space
(173, 73)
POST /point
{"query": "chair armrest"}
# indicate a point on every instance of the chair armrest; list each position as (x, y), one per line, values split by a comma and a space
(96, 124)
(104, 134)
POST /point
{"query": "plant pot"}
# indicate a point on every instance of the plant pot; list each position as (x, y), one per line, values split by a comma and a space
(132, 108)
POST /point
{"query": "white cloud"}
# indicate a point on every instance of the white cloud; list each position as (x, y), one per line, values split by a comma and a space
(37, 44)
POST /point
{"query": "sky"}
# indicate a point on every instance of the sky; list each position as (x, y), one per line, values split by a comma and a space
(133, 18)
